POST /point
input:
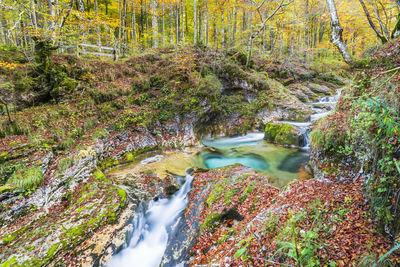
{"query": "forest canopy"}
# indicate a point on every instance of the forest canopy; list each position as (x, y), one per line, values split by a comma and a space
(278, 27)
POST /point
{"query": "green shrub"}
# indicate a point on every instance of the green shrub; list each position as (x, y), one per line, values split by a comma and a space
(100, 133)
(64, 164)
(66, 143)
(89, 124)
(27, 178)
(317, 139)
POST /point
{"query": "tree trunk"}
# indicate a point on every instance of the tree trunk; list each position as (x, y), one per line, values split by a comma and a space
(51, 13)
(133, 24)
(183, 21)
(371, 23)
(396, 29)
(3, 22)
(207, 22)
(306, 35)
(223, 34)
(234, 25)
(81, 6)
(378, 17)
(154, 23)
(195, 22)
(171, 26)
(200, 25)
(337, 33)
(177, 24)
(163, 26)
(124, 26)
(250, 43)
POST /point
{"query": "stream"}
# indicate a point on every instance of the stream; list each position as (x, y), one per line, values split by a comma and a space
(148, 241)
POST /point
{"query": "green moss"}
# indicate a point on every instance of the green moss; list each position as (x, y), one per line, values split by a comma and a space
(129, 157)
(210, 221)
(228, 196)
(216, 194)
(9, 238)
(10, 262)
(53, 249)
(99, 175)
(3, 157)
(281, 133)
(122, 194)
(246, 192)
(5, 188)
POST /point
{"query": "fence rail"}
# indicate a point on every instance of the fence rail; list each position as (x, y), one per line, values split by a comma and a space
(89, 49)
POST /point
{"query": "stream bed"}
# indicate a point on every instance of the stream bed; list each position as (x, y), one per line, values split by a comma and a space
(152, 226)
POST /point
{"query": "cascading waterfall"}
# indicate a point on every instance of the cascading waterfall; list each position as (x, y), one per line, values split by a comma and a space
(322, 108)
(149, 240)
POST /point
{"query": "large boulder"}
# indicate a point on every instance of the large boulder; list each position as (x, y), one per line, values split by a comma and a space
(282, 134)
(319, 88)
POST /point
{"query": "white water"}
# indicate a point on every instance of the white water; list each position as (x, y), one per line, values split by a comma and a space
(320, 113)
(248, 139)
(149, 239)
(157, 158)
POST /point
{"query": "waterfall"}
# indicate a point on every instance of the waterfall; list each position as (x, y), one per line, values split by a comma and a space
(322, 108)
(148, 241)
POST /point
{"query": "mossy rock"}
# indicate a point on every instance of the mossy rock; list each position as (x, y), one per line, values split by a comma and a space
(282, 134)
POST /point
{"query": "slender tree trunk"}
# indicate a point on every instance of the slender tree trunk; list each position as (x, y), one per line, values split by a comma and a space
(163, 26)
(3, 22)
(81, 6)
(183, 21)
(177, 24)
(124, 27)
(234, 24)
(201, 25)
(371, 23)
(141, 29)
(383, 27)
(120, 27)
(250, 43)
(337, 33)
(306, 36)
(171, 26)
(51, 13)
(154, 23)
(244, 21)
(133, 24)
(396, 29)
(207, 22)
(223, 34)
(34, 16)
(195, 22)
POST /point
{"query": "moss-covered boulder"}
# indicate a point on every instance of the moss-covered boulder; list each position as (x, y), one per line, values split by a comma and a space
(282, 134)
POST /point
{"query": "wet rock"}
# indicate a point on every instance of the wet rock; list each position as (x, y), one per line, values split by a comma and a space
(282, 134)
(318, 88)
